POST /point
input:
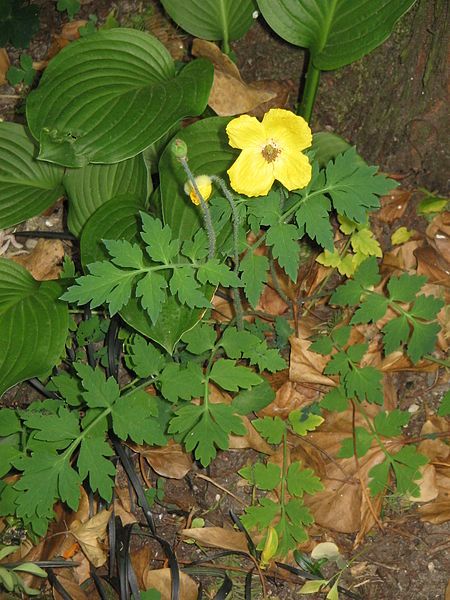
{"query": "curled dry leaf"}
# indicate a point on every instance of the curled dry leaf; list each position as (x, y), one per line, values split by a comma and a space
(160, 580)
(230, 95)
(217, 537)
(170, 461)
(91, 535)
(44, 261)
(4, 65)
(431, 264)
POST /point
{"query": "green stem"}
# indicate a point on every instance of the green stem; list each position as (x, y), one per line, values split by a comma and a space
(438, 361)
(309, 93)
(206, 214)
(236, 222)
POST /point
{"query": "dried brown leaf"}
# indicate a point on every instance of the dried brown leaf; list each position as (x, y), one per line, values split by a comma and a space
(4, 65)
(290, 396)
(44, 261)
(393, 206)
(160, 580)
(229, 95)
(252, 438)
(140, 559)
(307, 366)
(91, 535)
(122, 505)
(438, 234)
(217, 537)
(72, 587)
(171, 461)
(431, 264)
(283, 91)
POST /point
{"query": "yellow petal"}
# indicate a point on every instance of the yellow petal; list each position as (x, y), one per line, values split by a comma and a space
(245, 131)
(292, 169)
(287, 129)
(204, 185)
(251, 174)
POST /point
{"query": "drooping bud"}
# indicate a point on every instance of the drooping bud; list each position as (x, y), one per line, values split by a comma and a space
(204, 185)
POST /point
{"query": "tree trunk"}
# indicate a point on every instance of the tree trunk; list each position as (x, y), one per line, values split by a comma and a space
(393, 103)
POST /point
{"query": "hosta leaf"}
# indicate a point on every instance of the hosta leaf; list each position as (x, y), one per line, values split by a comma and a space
(110, 95)
(212, 19)
(116, 219)
(27, 186)
(92, 186)
(336, 33)
(33, 325)
(209, 153)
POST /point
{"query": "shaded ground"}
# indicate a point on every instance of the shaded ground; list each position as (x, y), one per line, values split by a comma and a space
(398, 125)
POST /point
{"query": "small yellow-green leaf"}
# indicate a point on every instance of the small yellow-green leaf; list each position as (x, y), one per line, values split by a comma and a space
(310, 587)
(401, 235)
(270, 547)
(364, 242)
(347, 226)
(333, 594)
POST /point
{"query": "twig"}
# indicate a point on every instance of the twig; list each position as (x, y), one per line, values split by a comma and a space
(217, 485)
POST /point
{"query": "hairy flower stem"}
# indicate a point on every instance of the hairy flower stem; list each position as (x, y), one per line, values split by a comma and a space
(206, 214)
(236, 222)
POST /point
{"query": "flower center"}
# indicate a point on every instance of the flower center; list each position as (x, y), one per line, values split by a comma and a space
(270, 152)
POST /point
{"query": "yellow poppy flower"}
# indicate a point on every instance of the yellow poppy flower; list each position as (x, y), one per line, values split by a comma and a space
(204, 185)
(271, 150)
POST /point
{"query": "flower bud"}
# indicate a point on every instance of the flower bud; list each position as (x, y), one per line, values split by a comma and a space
(179, 148)
(204, 185)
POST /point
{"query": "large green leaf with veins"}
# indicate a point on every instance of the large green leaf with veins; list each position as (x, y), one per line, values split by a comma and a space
(119, 219)
(27, 186)
(110, 95)
(93, 185)
(212, 19)
(208, 154)
(337, 32)
(33, 325)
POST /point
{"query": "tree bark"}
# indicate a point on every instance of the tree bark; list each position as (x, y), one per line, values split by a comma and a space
(393, 103)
